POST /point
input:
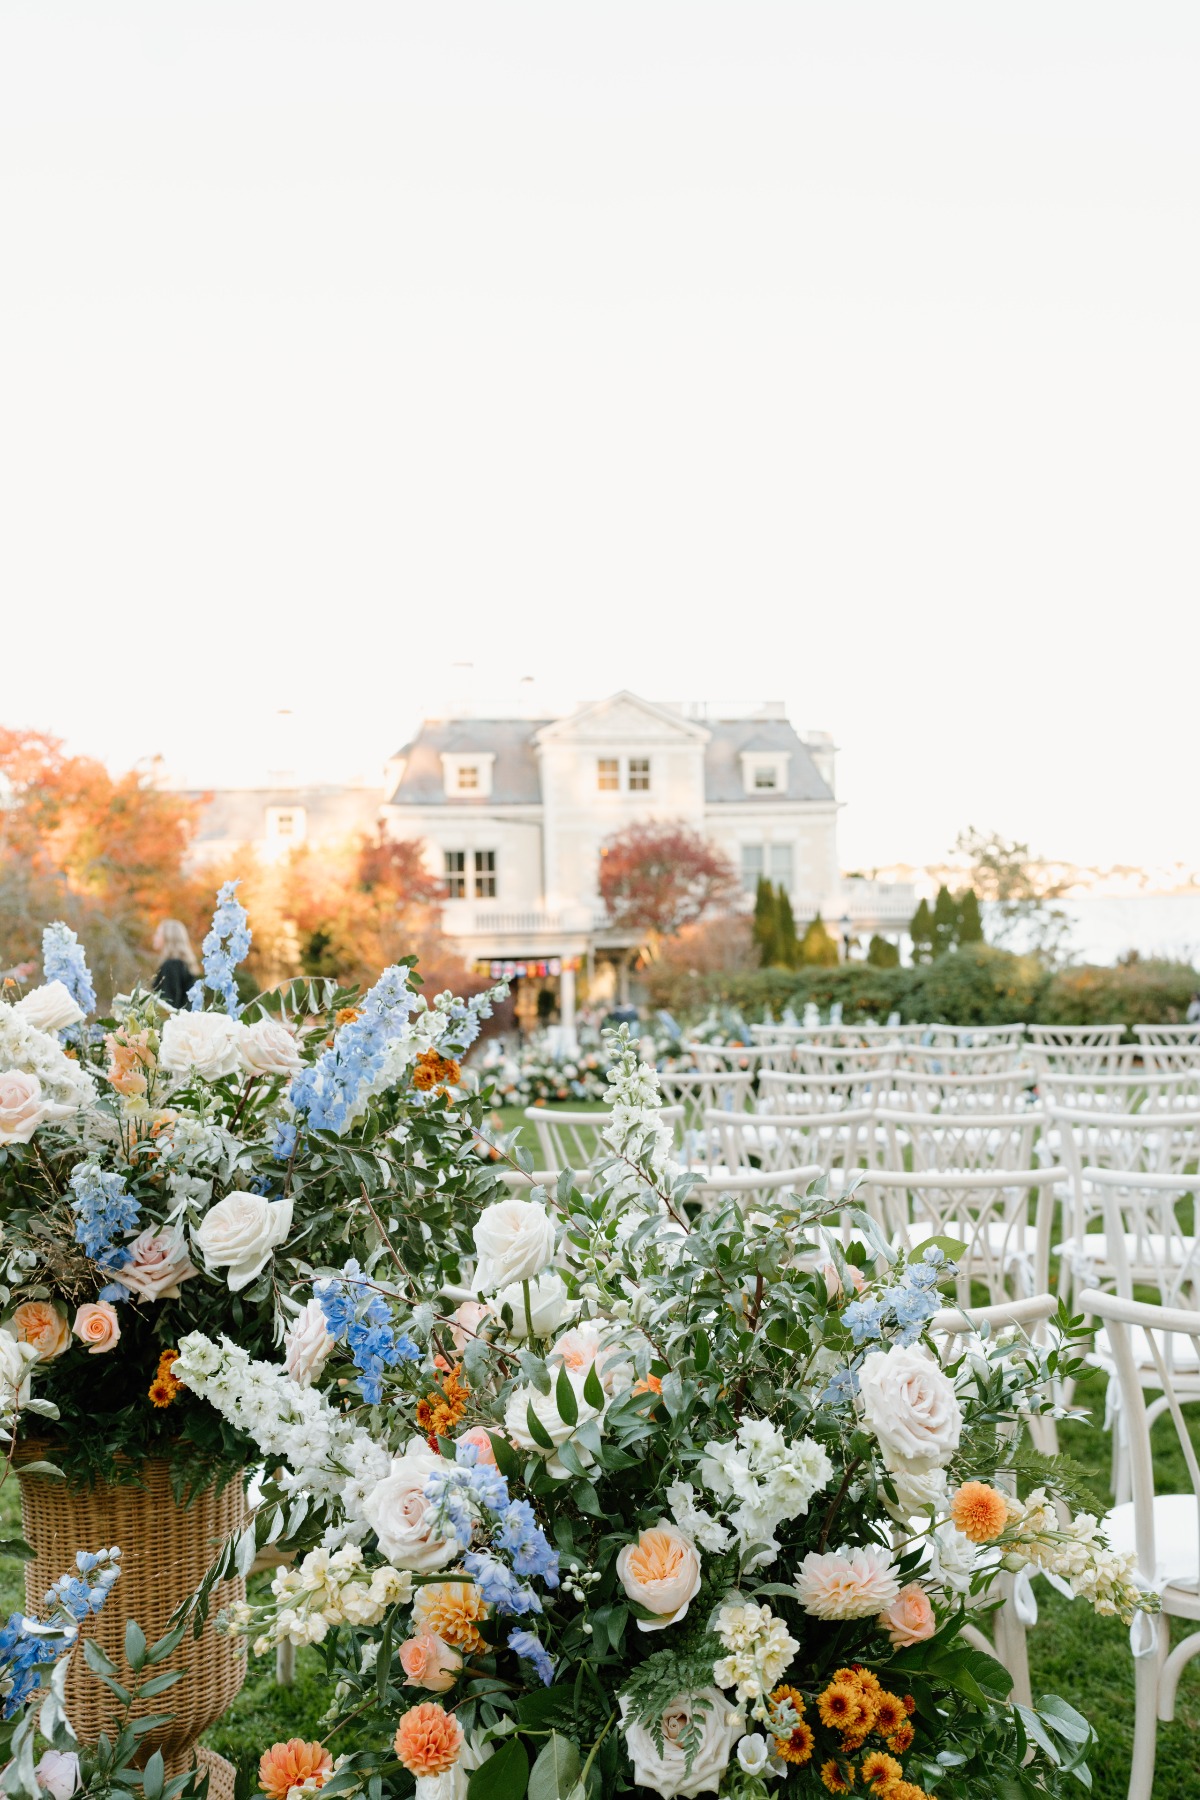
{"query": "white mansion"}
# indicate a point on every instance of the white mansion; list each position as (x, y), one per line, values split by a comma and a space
(513, 813)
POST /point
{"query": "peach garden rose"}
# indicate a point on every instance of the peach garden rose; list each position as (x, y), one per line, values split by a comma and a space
(38, 1323)
(97, 1327)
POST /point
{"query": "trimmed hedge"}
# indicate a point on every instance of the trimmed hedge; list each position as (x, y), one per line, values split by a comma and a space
(976, 985)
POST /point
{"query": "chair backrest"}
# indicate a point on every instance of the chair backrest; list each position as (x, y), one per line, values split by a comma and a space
(1154, 1142)
(1067, 1036)
(788, 1140)
(1138, 1091)
(953, 1325)
(1149, 1233)
(740, 1056)
(844, 1059)
(697, 1091)
(1007, 1250)
(957, 1140)
(1171, 1059)
(984, 1092)
(574, 1140)
(747, 1183)
(960, 1059)
(798, 1089)
(1086, 1059)
(966, 1037)
(1171, 1337)
(1167, 1034)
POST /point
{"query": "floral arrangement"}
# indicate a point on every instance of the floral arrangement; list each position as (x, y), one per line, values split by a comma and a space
(165, 1172)
(595, 1492)
(535, 1076)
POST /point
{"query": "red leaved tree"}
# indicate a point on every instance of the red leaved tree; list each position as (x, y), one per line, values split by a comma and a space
(657, 877)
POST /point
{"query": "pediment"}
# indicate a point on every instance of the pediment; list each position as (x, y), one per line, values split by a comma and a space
(623, 717)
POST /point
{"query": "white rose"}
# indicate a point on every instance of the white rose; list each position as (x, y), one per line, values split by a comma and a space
(50, 1008)
(545, 1408)
(241, 1233)
(910, 1406)
(668, 1771)
(514, 1240)
(15, 1362)
(268, 1048)
(952, 1559)
(399, 1514)
(307, 1344)
(917, 1492)
(204, 1044)
(23, 1106)
(57, 1771)
(549, 1305)
(160, 1263)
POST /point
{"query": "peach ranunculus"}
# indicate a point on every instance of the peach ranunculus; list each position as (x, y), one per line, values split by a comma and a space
(428, 1739)
(909, 1619)
(450, 1610)
(97, 1326)
(429, 1662)
(482, 1442)
(847, 1584)
(294, 1764)
(38, 1323)
(159, 1262)
(662, 1573)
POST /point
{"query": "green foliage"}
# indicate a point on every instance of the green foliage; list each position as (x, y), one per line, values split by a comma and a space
(977, 985)
(970, 920)
(786, 943)
(1137, 993)
(945, 923)
(766, 923)
(882, 953)
(920, 930)
(817, 948)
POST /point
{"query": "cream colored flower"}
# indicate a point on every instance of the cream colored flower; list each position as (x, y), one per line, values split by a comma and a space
(847, 1583)
(242, 1232)
(661, 1572)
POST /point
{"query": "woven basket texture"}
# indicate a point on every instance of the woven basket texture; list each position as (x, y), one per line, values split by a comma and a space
(165, 1550)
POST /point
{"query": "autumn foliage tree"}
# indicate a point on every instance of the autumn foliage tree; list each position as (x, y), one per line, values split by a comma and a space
(656, 878)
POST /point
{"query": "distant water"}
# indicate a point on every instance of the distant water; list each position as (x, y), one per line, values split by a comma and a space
(1105, 927)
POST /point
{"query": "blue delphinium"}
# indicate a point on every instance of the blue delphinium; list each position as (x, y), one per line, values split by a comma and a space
(360, 1319)
(498, 1584)
(524, 1540)
(908, 1304)
(63, 960)
(103, 1208)
(226, 944)
(471, 1501)
(864, 1319)
(29, 1645)
(328, 1092)
(284, 1141)
(529, 1645)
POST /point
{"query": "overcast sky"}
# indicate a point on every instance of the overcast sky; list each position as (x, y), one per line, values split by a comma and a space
(845, 353)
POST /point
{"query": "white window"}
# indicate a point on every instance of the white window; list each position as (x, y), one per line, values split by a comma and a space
(287, 824)
(468, 778)
(780, 866)
(456, 874)
(764, 771)
(752, 866)
(467, 774)
(608, 774)
(485, 874)
(765, 776)
(639, 774)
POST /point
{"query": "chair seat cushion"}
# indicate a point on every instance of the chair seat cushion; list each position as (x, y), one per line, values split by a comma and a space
(1147, 1251)
(1176, 1538)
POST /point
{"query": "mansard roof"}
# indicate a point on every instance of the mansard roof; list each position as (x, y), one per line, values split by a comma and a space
(732, 737)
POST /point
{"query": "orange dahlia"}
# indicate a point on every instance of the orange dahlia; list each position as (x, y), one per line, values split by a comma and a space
(290, 1765)
(428, 1739)
(979, 1511)
(450, 1610)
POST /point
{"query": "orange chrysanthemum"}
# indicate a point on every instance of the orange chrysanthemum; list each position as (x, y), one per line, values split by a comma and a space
(910, 1705)
(858, 1676)
(796, 1745)
(904, 1790)
(979, 1512)
(430, 1069)
(439, 1412)
(879, 1769)
(290, 1765)
(833, 1778)
(165, 1388)
(890, 1714)
(428, 1739)
(843, 1706)
(450, 1610)
(901, 1740)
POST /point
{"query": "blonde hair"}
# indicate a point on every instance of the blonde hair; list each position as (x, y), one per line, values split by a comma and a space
(174, 944)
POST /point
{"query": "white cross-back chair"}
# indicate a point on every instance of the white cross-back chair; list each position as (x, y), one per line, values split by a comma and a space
(1003, 1217)
(1068, 1036)
(845, 1059)
(573, 1140)
(740, 1057)
(1167, 1034)
(1085, 1059)
(837, 1142)
(986, 1092)
(791, 1090)
(1161, 1529)
(697, 1092)
(1139, 1144)
(956, 1140)
(973, 1036)
(1139, 1090)
(1171, 1059)
(961, 1059)
(751, 1185)
(1010, 1624)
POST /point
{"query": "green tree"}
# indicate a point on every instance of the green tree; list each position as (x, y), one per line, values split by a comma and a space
(786, 942)
(920, 930)
(1020, 890)
(766, 923)
(817, 948)
(882, 954)
(970, 920)
(945, 923)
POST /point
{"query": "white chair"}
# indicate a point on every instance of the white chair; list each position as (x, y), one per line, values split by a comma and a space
(1003, 1217)
(796, 1090)
(836, 1142)
(957, 1140)
(848, 1061)
(748, 1184)
(1138, 1144)
(1085, 1059)
(1066, 1037)
(574, 1140)
(1171, 1059)
(1139, 1090)
(1167, 1034)
(996, 1058)
(1161, 1529)
(985, 1092)
(750, 1057)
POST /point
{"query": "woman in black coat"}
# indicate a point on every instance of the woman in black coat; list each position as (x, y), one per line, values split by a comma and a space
(179, 970)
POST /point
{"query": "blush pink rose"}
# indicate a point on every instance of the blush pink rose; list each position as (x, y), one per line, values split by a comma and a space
(429, 1662)
(909, 1619)
(482, 1442)
(465, 1321)
(97, 1326)
(160, 1263)
(22, 1106)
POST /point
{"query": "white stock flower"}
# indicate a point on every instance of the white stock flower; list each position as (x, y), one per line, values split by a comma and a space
(549, 1305)
(514, 1240)
(268, 1048)
(671, 1771)
(910, 1406)
(57, 1771)
(708, 1532)
(203, 1044)
(16, 1360)
(760, 1650)
(401, 1516)
(242, 1232)
(307, 1343)
(50, 1008)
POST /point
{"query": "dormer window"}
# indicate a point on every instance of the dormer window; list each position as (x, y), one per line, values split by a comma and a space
(467, 774)
(766, 775)
(764, 771)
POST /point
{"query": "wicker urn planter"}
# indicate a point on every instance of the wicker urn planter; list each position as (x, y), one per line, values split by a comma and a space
(165, 1550)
